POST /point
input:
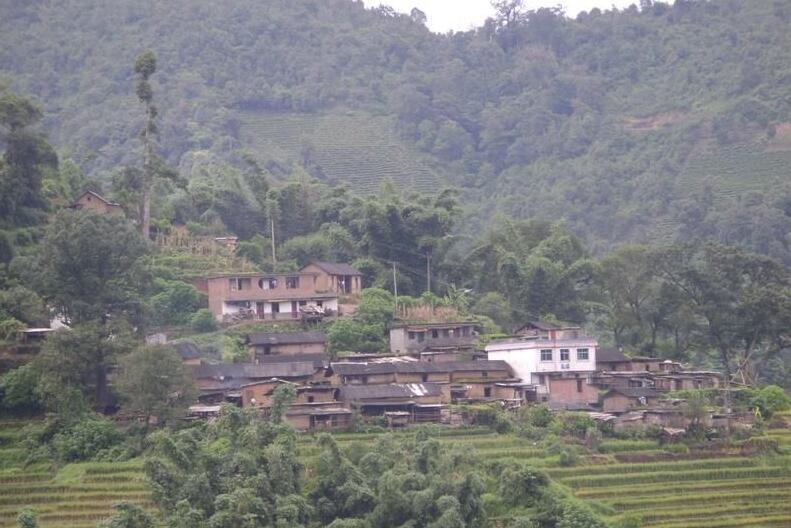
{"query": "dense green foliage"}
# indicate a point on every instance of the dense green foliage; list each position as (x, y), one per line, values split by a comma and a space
(664, 121)
(240, 471)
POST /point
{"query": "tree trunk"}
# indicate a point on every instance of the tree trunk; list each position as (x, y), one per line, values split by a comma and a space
(145, 221)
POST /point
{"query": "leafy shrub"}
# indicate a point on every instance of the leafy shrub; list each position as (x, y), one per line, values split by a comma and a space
(27, 519)
(576, 424)
(203, 321)
(18, 389)
(568, 458)
(503, 423)
(770, 400)
(175, 303)
(521, 484)
(85, 439)
(9, 328)
(540, 416)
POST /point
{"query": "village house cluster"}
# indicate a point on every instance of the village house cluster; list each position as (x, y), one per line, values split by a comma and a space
(433, 361)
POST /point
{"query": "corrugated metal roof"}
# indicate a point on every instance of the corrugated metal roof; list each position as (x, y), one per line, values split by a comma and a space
(286, 338)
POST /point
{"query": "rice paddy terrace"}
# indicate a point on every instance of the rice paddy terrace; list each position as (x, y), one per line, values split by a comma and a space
(76, 496)
(662, 487)
(361, 150)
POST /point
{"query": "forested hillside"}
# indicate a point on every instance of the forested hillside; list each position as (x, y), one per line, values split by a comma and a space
(651, 123)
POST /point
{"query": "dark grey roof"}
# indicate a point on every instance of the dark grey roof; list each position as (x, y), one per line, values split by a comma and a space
(187, 350)
(546, 325)
(417, 367)
(634, 392)
(337, 268)
(97, 195)
(318, 360)
(252, 372)
(429, 325)
(610, 355)
(286, 338)
(400, 390)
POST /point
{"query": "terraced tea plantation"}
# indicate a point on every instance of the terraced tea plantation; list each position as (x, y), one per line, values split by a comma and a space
(662, 487)
(77, 496)
(359, 149)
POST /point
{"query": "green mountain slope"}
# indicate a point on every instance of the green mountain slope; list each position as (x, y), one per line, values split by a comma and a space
(645, 124)
(353, 148)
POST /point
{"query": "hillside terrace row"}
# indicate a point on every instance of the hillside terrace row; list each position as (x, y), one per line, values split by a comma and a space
(558, 366)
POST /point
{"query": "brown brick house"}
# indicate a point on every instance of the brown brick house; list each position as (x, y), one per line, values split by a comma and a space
(96, 203)
(265, 296)
(284, 343)
(339, 278)
(623, 399)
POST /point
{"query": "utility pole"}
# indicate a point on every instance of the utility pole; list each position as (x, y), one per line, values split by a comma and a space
(395, 287)
(428, 272)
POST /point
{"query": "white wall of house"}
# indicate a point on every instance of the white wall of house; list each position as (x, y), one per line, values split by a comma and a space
(525, 356)
(231, 307)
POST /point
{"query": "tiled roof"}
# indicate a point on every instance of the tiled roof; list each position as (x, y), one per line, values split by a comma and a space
(610, 355)
(187, 350)
(634, 392)
(417, 367)
(337, 268)
(401, 390)
(286, 338)
(253, 372)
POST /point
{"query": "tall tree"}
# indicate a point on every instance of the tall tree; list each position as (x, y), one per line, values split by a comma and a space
(78, 361)
(153, 382)
(145, 67)
(91, 267)
(743, 301)
(24, 163)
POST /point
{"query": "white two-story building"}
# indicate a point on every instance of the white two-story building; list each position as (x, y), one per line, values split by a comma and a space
(559, 368)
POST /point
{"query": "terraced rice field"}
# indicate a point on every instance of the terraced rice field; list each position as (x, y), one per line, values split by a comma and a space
(360, 149)
(724, 491)
(663, 490)
(76, 496)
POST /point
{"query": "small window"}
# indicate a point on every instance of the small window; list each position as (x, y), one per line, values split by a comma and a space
(484, 374)
(424, 378)
(272, 284)
(579, 385)
(319, 303)
(420, 337)
(364, 379)
(465, 331)
(292, 283)
(582, 354)
(435, 334)
(412, 335)
(487, 392)
(541, 379)
(310, 399)
(275, 307)
(446, 333)
(564, 354)
(233, 284)
(546, 354)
